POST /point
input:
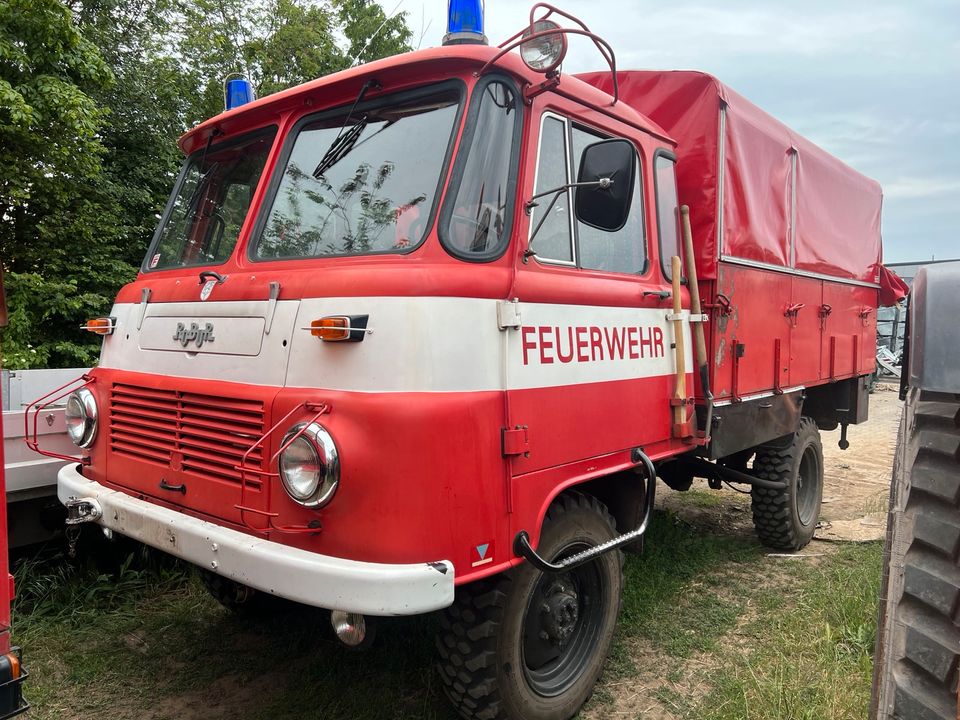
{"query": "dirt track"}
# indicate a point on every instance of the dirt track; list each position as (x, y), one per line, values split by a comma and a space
(857, 480)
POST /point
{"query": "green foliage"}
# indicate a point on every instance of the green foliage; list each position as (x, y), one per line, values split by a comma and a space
(371, 34)
(808, 652)
(53, 205)
(280, 43)
(52, 589)
(93, 95)
(48, 120)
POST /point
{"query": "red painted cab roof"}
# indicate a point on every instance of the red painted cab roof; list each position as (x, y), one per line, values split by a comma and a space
(394, 73)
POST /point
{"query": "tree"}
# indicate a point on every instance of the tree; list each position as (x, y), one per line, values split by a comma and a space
(280, 43)
(372, 35)
(93, 95)
(148, 106)
(48, 121)
(51, 154)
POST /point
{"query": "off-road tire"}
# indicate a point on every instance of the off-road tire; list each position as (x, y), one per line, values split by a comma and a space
(481, 641)
(238, 598)
(787, 519)
(918, 638)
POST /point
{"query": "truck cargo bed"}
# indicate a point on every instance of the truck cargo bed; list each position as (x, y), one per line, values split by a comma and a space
(787, 237)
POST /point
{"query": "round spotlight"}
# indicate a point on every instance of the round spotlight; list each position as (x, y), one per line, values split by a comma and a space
(351, 628)
(310, 465)
(545, 53)
(80, 415)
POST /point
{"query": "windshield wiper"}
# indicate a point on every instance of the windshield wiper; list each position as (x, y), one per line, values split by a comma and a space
(345, 141)
(340, 148)
(204, 176)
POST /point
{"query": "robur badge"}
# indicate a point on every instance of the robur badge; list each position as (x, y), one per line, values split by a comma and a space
(186, 335)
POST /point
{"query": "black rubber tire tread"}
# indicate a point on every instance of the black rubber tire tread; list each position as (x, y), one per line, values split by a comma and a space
(467, 643)
(773, 509)
(918, 636)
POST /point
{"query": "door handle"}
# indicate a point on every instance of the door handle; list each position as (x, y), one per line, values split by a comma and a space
(825, 311)
(212, 275)
(793, 311)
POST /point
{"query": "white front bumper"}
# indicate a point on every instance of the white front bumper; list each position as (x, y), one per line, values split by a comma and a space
(292, 573)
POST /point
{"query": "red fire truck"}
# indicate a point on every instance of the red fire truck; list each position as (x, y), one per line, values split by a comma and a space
(12, 673)
(416, 336)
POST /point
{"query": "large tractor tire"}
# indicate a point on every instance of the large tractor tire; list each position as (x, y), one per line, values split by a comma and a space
(787, 519)
(918, 637)
(525, 645)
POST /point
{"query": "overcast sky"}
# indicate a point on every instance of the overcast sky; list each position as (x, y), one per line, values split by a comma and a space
(875, 82)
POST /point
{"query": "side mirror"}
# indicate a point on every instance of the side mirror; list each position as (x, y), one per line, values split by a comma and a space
(605, 184)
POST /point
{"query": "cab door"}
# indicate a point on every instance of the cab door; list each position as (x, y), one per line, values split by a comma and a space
(591, 369)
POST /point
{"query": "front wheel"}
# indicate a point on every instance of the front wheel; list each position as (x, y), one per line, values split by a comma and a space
(528, 645)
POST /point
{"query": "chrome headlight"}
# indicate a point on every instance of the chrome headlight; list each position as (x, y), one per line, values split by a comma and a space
(309, 465)
(81, 417)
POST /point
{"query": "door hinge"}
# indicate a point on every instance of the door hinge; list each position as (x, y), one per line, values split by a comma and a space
(508, 314)
(144, 299)
(514, 442)
(272, 305)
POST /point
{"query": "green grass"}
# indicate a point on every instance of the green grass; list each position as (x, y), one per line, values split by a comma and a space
(807, 654)
(145, 639)
(703, 498)
(670, 595)
(114, 645)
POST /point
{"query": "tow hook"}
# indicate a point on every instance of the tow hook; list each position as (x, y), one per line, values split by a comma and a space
(81, 510)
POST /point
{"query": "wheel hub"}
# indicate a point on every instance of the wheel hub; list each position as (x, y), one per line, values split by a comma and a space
(560, 611)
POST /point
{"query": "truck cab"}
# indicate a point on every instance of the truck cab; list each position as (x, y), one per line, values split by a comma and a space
(414, 336)
(351, 254)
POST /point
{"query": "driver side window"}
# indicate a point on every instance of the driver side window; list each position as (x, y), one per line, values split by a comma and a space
(553, 241)
(556, 236)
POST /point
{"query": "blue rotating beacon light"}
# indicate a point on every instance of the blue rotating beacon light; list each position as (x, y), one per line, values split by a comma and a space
(237, 91)
(465, 23)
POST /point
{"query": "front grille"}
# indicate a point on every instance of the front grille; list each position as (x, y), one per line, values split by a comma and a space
(202, 434)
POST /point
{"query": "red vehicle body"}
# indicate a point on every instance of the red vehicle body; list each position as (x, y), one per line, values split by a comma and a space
(490, 385)
(12, 673)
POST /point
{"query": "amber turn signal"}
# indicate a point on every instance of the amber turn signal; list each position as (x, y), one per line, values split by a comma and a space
(14, 663)
(332, 329)
(100, 326)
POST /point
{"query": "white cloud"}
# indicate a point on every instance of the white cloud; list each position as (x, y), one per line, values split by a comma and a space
(872, 81)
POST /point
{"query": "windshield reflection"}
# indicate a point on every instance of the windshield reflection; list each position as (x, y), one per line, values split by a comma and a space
(378, 193)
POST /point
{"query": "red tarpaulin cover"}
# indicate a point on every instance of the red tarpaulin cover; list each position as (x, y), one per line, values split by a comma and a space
(833, 225)
(892, 288)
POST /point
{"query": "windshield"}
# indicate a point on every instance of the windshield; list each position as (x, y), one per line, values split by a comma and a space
(364, 183)
(203, 221)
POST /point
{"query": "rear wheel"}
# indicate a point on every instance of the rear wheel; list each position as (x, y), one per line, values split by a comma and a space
(787, 519)
(918, 634)
(527, 645)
